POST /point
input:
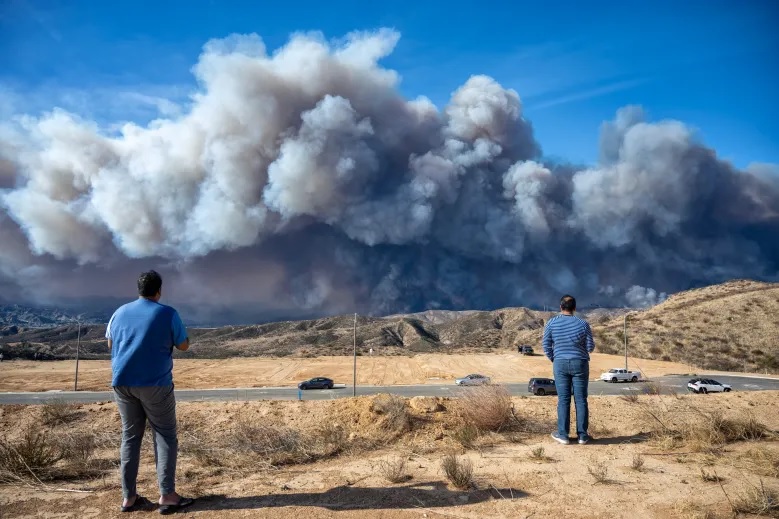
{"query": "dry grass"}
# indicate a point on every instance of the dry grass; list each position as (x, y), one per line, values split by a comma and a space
(394, 470)
(488, 408)
(599, 472)
(701, 431)
(282, 445)
(458, 471)
(758, 500)
(630, 397)
(692, 510)
(761, 461)
(637, 463)
(465, 435)
(32, 456)
(397, 419)
(57, 411)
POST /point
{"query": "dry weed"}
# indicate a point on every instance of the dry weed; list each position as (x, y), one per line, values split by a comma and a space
(630, 397)
(465, 435)
(762, 461)
(77, 448)
(397, 419)
(692, 510)
(758, 500)
(57, 411)
(394, 470)
(458, 472)
(33, 456)
(488, 408)
(600, 472)
(638, 462)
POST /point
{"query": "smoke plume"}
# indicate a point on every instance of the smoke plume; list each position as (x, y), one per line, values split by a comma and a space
(301, 182)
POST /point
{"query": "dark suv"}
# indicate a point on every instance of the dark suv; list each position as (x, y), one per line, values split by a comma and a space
(525, 349)
(541, 386)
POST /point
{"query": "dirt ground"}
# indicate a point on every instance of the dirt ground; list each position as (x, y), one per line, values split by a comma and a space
(286, 371)
(508, 481)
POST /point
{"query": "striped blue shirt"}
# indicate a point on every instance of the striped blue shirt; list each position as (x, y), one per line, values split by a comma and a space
(567, 337)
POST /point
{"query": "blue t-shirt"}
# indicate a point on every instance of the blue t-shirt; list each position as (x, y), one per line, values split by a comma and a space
(143, 334)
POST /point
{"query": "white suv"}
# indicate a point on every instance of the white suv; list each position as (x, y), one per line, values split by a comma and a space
(707, 385)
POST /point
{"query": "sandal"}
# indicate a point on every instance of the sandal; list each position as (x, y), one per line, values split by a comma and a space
(172, 509)
(140, 503)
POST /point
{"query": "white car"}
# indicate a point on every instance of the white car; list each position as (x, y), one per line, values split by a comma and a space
(707, 385)
(620, 375)
(472, 380)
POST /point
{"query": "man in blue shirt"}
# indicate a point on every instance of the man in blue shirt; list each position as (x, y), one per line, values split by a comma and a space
(568, 344)
(141, 336)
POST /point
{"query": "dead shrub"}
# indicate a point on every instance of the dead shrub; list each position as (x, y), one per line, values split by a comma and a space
(77, 448)
(488, 408)
(701, 431)
(758, 500)
(465, 435)
(278, 445)
(652, 388)
(57, 411)
(637, 463)
(394, 470)
(32, 456)
(630, 397)
(539, 454)
(458, 472)
(762, 461)
(600, 472)
(329, 440)
(397, 419)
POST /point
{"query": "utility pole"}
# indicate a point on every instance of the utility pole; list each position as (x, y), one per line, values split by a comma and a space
(354, 368)
(626, 341)
(78, 348)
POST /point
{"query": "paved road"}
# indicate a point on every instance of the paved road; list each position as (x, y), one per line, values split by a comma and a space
(667, 384)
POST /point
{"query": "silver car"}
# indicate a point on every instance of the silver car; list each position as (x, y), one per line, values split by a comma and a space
(472, 380)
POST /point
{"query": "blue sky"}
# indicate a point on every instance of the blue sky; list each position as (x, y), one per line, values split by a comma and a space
(711, 64)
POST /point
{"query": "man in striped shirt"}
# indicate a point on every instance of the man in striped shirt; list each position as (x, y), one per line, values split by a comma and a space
(568, 344)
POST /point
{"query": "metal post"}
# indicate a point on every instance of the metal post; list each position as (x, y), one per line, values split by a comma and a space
(354, 370)
(78, 348)
(626, 342)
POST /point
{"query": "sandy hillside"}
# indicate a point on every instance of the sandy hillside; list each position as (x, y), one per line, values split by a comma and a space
(730, 327)
(331, 459)
(262, 371)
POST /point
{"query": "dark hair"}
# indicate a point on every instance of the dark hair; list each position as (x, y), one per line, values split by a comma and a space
(149, 283)
(567, 303)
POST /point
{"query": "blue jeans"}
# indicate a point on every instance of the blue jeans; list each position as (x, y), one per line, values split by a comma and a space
(572, 375)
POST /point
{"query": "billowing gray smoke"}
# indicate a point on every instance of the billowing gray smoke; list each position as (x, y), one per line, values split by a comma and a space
(302, 182)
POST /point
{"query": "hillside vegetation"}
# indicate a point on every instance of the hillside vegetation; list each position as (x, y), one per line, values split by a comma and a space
(733, 326)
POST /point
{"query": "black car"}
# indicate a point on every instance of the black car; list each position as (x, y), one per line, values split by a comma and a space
(542, 386)
(525, 349)
(317, 383)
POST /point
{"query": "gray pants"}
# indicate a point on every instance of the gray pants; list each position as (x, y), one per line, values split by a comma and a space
(158, 405)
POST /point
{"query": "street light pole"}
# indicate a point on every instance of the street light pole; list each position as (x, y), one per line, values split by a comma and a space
(626, 341)
(78, 348)
(354, 368)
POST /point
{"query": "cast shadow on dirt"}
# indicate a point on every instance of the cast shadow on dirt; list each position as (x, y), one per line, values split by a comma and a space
(418, 495)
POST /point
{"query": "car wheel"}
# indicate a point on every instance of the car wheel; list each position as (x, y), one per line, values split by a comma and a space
(614, 380)
(540, 392)
(727, 390)
(704, 390)
(329, 386)
(634, 379)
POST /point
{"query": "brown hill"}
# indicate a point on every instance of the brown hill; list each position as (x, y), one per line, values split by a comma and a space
(732, 326)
